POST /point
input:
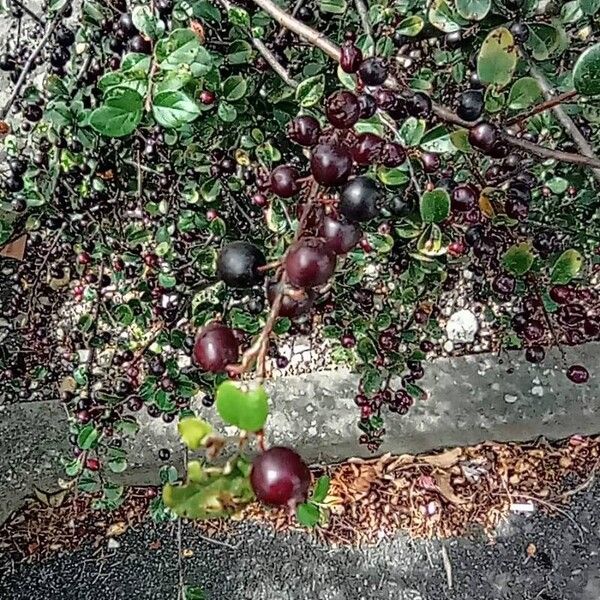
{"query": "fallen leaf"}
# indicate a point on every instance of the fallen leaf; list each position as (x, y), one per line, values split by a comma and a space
(445, 488)
(197, 28)
(444, 460)
(531, 550)
(15, 249)
(154, 545)
(187, 553)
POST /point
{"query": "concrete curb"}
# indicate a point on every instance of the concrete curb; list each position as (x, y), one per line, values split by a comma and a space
(471, 399)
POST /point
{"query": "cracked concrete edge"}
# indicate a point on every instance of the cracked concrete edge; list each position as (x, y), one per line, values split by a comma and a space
(471, 399)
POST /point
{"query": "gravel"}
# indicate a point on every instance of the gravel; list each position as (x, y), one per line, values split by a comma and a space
(534, 557)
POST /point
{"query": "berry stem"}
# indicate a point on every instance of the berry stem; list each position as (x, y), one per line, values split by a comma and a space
(257, 353)
(153, 69)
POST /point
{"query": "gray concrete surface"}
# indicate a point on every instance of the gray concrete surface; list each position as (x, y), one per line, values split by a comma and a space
(252, 562)
(471, 399)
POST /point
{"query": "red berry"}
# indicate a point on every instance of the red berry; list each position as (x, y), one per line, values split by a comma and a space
(280, 476)
(578, 374)
(342, 109)
(431, 162)
(373, 71)
(393, 155)
(464, 197)
(360, 199)
(207, 97)
(239, 264)
(350, 57)
(216, 347)
(304, 130)
(93, 464)
(348, 340)
(309, 263)
(483, 136)
(330, 165)
(456, 248)
(284, 181)
(339, 235)
(367, 149)
(562, 294)
(368, 106)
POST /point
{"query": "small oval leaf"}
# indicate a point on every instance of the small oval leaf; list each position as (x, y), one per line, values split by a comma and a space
(497, 58)
(567, 266)
(586, 73)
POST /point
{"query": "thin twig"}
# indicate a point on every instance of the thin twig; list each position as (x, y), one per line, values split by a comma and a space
(152, 73)
(304, 31)
(39, 20)
(269, 57)
(363, 13)
(92, 351)
(563, 118)
(274, 63)
(542, 152)
(38, 274)
(550, 102)
(31, 61)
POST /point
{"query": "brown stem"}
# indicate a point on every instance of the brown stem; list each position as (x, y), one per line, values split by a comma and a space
(271, 265)
(304, 31)
(31, 61)
(542, 106)
(258, 351)
(542, 152)
(274, 63)
(363, 13)
(153, 69)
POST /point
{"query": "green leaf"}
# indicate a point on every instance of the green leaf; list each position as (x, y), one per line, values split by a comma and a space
(310, 91)
(497, 58)
(392, 176)
(182, 47)
(442, 17)
(194, 593)
(371, 380)
(586, 73)
(119, 115)
(434, 206)
(411, 26)
(173, 109)
(166, 280)
(246, 408)
(117, 465)
(571, 12)
(558, 185)
(239, 16)
(240, 52)
(73, 468)
(88, 437)
(124, 314)
(523, 93)
(308, 514)
(226, 112)
(473, 10)
(147, 23)
(321, 488)
(518, 259)
(438, 140)
(411, 131)
(430, 243)
(336, 7)
(193, 432)
(567, 266)
(234, 88)
(590, 7)
(544, 40)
